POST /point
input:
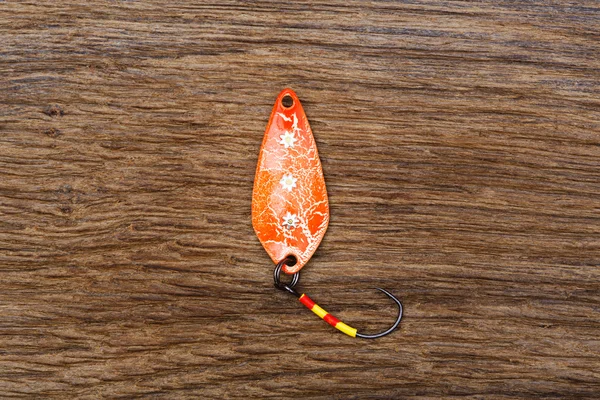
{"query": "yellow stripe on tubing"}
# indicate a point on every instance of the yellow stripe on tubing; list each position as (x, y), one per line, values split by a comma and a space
(319, 311)
(348, 330)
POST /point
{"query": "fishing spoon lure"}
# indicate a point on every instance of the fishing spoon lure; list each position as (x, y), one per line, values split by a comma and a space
(290, 209)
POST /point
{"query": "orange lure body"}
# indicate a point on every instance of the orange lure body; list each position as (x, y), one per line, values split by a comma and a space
(290, 209)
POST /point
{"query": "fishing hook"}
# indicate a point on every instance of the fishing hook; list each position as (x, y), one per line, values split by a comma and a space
(330, 319)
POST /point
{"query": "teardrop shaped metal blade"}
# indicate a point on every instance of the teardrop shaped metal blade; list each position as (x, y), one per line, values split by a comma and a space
(290, 209)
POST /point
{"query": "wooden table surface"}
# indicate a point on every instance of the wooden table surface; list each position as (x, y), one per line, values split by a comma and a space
(460, 144)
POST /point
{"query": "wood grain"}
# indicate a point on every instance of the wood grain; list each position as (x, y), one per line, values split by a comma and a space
(460, 143)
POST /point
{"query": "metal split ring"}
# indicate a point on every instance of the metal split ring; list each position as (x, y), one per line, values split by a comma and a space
(295, 277)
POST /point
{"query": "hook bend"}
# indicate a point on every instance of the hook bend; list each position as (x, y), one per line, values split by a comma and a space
(393, 327)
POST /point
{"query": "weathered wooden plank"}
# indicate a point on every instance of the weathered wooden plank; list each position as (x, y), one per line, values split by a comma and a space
(461, 149)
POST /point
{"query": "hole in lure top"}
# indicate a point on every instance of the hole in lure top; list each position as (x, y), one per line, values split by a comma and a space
(287, 101)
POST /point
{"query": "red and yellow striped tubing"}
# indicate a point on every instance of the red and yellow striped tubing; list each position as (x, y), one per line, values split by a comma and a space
(330, 319)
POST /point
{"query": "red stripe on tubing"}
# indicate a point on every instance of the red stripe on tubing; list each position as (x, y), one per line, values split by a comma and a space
(331, 320)
(307, 301)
